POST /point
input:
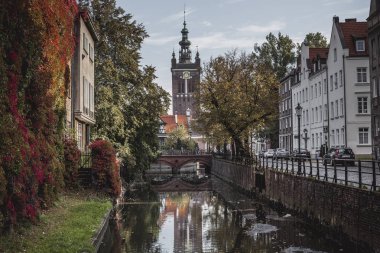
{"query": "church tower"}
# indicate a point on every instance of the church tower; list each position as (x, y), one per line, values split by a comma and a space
(185, 76)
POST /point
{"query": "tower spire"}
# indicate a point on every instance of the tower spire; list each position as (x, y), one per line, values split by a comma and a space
(185, 52)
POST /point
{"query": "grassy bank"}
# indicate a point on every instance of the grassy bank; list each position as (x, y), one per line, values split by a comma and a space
(66, 227)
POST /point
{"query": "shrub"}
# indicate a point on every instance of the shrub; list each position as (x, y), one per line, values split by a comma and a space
(105, 167)
(72, 158)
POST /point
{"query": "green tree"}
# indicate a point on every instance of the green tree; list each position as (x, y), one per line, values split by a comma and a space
(179, 139)
(237, 95)
(314, 40)
(128, 101)
(277, 52)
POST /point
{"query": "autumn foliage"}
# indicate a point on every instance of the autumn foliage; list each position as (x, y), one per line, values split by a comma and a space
(72, 160)
(105, 167)
(36, 45)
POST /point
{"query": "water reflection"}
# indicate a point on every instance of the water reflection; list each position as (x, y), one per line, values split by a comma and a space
(220, 221)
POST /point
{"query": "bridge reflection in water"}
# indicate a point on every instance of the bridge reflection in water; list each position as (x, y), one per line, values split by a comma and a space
(218, 219)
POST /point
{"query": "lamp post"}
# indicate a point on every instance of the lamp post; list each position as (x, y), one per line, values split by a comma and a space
(298, 113)
(305, 138)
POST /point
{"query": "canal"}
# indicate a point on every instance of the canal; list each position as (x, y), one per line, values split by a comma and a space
(217, 220)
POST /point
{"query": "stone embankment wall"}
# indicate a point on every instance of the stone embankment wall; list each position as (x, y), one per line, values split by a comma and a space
(353, 211)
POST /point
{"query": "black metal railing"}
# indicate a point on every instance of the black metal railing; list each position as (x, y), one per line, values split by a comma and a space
(184, 152)
(364, 174)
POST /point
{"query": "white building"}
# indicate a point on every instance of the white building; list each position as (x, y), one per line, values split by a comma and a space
(334, 92)
(310, 92)
(349, 87)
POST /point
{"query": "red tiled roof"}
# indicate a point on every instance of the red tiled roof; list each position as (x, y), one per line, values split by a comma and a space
(170, 123)
(352, 30)
(314, 52)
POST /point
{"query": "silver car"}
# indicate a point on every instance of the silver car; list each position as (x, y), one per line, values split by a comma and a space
(281, 153)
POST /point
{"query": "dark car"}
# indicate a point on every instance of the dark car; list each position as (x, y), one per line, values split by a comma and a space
(339, 156)
(303, 153)
(281, 153)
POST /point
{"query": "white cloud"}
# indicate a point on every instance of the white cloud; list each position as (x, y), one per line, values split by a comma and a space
(329, 2)
(272, 27)
(158, 39)
(176, 16)
(206, 23)
(222, 41)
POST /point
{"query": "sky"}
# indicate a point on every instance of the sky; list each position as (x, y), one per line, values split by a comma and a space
(218, 26)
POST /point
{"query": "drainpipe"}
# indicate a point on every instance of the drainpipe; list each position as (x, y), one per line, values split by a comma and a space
(345, 102)
(328, 107)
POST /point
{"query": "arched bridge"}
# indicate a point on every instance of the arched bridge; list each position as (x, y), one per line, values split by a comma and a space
(176, 160)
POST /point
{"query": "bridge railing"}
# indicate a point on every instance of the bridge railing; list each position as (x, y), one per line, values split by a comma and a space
(184, 152)
(364, 174)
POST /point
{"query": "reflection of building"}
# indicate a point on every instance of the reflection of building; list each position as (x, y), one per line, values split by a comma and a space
(187, 221)
(80, 96)
(374, 54)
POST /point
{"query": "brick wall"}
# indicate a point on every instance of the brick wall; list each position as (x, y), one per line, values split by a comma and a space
(352, 211)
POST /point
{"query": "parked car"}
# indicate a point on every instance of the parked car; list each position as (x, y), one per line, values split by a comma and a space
(303, 153)
(269, 153)
(281, 153)
(339, 156)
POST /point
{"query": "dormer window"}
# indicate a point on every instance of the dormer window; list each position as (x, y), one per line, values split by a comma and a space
(360, 46)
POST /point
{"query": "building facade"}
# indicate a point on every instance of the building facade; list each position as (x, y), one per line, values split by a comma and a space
(285, 112)
(309, 90)
(185, 76)
(349, 87)
(334, 91)
(80, 98)
(374, 62)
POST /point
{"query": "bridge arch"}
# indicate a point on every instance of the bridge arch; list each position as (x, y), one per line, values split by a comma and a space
(178, 161)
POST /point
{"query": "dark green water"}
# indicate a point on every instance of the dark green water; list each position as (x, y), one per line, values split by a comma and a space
(220, 220)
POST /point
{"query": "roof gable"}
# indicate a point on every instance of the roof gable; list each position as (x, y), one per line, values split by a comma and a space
(351, 31)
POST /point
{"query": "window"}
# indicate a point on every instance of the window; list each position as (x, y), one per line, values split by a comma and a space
(312, 115)
(360, 45)
(85, 43)
(335, 55)
(341, 107)
(331, 83)
(326, 111)
(362, 75)
(85, 96)
(341, 77)
(362, 104)
(316, 114)
(332, 110)
(303, 117)
(311, 92)
(79, 136)
(320, 88)
(316, 90)
(336, 80)
(303, 96)
(320, 113)
(337, 137)
(363, 135)
(312, 141)
(342, 133)
(332, 137)
(91, 53)
(91, 100)
(324, 86)
(336, 108)
(374, 87)
(306, 95)
(307, 117)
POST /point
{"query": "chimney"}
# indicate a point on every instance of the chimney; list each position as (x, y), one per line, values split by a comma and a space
(176, 117)
(350, 20)
(336, 19)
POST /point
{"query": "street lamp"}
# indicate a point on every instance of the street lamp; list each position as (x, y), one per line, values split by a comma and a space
(299, 113)
(305, 138)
